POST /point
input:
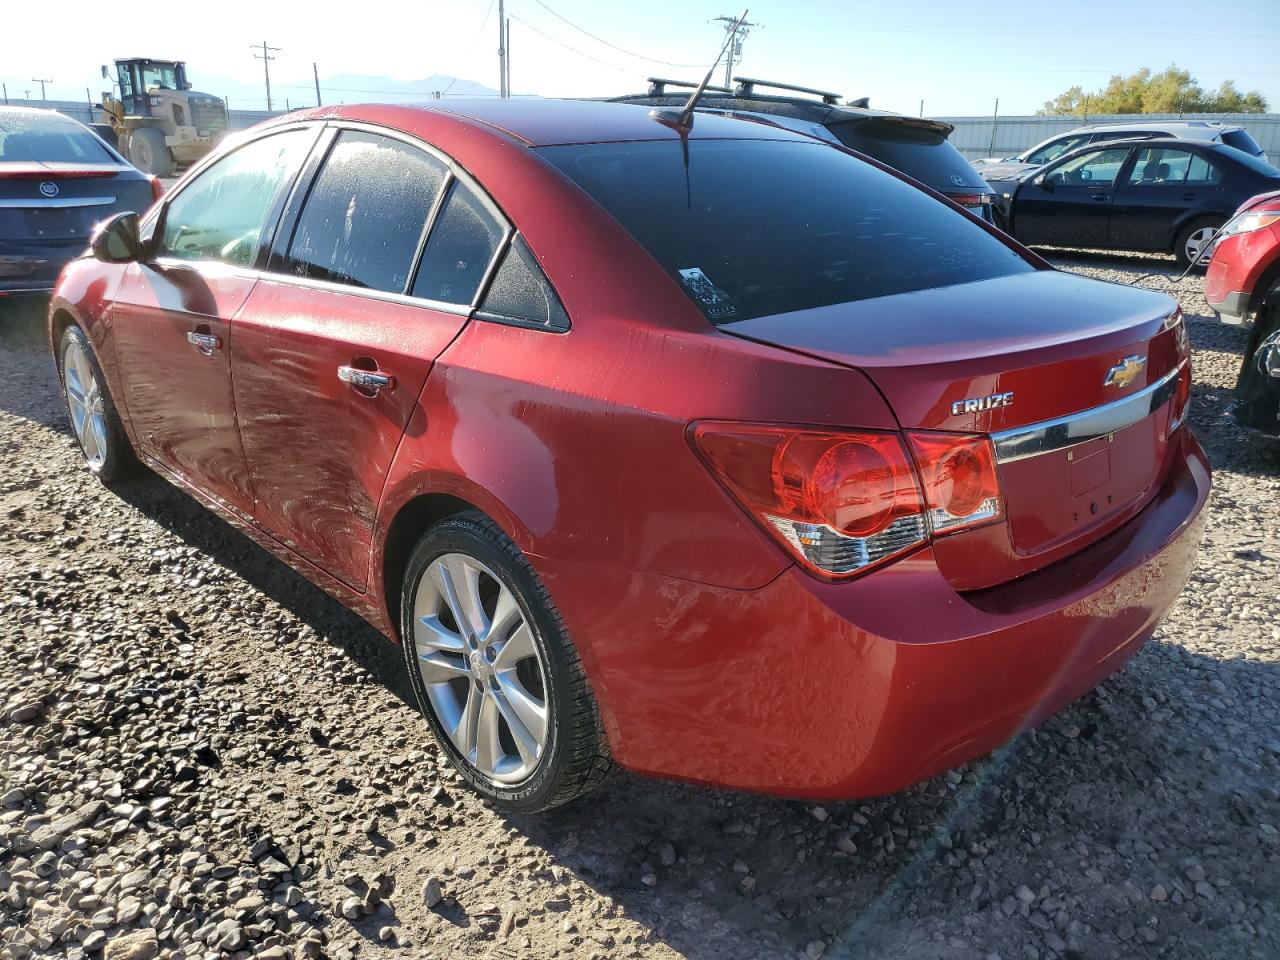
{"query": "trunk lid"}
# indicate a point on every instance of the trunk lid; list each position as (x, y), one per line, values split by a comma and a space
(1020, 358)
(58, 203)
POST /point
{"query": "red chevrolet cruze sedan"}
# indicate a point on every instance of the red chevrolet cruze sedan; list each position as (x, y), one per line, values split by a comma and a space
(719, 453)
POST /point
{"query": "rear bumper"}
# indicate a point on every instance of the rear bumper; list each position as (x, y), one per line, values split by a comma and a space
(803, 688)
(33, 267)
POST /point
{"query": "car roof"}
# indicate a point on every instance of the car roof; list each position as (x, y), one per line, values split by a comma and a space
(1191, 129)
(12, 117)
(538, 122)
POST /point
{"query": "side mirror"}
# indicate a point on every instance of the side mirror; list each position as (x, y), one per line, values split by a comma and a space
(104, 71)
(1044, 183)
(116, 240)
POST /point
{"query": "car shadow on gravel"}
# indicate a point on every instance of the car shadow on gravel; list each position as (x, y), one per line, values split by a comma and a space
(203, 530)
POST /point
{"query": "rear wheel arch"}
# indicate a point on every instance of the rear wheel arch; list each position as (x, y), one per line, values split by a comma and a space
(418, 514)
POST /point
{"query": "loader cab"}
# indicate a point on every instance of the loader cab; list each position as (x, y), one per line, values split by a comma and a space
(138, 75)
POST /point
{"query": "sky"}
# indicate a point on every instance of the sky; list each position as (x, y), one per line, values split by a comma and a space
(957, 58)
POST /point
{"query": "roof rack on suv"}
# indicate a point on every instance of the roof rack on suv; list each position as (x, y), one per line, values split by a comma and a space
(746, 86)
(657, 86)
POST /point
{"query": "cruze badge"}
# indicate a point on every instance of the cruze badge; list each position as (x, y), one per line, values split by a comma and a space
(978, 404)
(1125, 372)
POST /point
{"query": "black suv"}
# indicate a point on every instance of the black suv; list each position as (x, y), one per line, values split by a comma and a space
(917, 147)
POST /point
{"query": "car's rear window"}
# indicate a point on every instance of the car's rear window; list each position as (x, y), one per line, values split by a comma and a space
(753, 228)
(25, 141)
(1241, 140)
(1256, 164)
(922, 152)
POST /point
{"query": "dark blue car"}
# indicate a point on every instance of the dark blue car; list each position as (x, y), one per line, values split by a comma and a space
(1161, 195)
(57, 179)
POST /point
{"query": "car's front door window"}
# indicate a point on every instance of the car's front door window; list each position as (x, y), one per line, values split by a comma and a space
(221, 214)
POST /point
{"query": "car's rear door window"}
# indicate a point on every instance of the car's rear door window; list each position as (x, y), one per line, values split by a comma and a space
(364, 216)
(1157, 166)
(222, 213)
(462, 244)
(751, 228)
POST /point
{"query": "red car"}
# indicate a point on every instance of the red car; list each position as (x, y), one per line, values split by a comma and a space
(1243, 285)
(715, 452)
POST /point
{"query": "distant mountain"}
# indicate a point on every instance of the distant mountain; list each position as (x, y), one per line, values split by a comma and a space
(338, 88)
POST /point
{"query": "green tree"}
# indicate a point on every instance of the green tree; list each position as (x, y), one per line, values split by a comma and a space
(1173, 90)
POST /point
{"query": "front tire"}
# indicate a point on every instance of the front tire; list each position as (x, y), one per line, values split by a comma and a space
(495, 672)
(149, 153)
(94, 420)
(1192, 245)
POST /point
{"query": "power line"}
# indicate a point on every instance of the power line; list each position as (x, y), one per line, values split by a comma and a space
(638, 56)
(543, 33)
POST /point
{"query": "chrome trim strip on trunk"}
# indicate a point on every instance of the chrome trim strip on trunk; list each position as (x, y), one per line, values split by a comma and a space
(1077, 428)
(44, 202)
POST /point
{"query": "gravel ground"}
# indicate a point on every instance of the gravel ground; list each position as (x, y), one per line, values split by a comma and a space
(202, 755)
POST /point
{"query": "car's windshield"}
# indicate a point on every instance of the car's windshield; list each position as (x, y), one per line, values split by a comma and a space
(1256, 164)
(162, 75)
(1054, 149)
(753, 228)
(24, 139)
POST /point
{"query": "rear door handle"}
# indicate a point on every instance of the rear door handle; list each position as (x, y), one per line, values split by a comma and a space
(205, 343)
(370, 380)
(1100, 197)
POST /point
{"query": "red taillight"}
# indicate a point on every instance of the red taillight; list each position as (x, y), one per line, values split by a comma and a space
(843, 502)
(970, 199)
(157, 188)
(958, 473)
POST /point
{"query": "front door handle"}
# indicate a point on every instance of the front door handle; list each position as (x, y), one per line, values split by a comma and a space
(366, 380)
(1101, 197)
(205, 343)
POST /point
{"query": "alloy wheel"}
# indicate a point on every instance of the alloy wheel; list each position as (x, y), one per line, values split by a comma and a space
(85, 403)
(1197, 244)
(481, 668)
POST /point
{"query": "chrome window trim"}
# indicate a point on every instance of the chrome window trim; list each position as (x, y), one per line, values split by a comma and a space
(251, 273)
(60, 202)
(1061, 433)
(457, 174)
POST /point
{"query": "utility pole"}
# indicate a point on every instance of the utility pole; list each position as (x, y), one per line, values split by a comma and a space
(995, 114)
(922, 106)
(316, 73)
(734, 50)
(507, 46)
(266, 59)
(5, 87)
(42, 83)
(28, 93)
(502, 49)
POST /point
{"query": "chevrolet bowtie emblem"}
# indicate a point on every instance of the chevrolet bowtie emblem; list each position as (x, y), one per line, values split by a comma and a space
(1125, 372)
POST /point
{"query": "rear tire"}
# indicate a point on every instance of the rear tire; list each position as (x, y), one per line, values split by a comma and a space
(546, 744)
(94, 421)
(1193, 239)
(149, 153)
